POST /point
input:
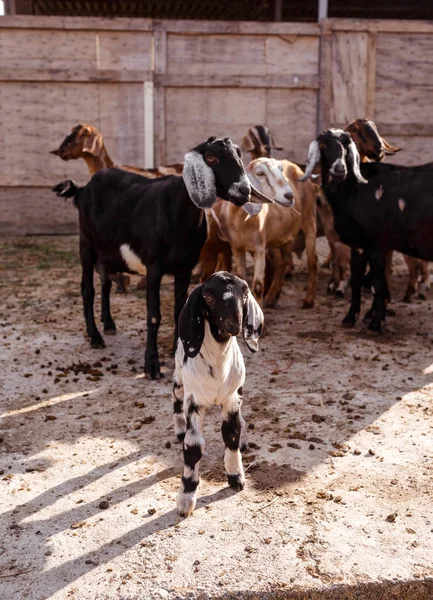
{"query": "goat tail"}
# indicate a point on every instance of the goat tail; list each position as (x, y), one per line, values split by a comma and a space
(67, 189)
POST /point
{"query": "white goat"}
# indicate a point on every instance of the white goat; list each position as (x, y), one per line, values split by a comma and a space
(273, 228)
(210, 371)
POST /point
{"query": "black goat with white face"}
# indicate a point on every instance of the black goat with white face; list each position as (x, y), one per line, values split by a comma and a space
(210, 371)
(377, 207)
(128, 222)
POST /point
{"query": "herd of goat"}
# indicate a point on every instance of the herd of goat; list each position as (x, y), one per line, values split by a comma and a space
(211, 211)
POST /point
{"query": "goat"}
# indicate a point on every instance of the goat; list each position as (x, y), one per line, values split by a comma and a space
(87, 142)
(259, 141)
(377, 207)
(275, 228)
(128, 221)
(373, 147)
(209, 370)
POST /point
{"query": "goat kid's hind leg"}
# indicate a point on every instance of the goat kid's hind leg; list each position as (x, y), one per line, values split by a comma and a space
(358, 263)
(193, 447)
(231, 431)
(152, 369)
(88, 263)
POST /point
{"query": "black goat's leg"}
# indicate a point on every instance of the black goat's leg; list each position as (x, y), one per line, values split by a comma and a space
(106, 318)
(152, 368)
(88, 262)
(358, 262)
(381, 292)
(181, 285)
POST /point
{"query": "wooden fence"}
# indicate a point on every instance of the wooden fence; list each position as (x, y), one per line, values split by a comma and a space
(157, 88)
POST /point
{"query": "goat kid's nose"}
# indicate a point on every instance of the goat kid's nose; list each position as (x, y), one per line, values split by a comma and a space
(288, 196)
(231, 326)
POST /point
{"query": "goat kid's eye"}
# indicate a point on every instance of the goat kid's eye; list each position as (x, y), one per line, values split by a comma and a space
(211, 159)
(209, 300)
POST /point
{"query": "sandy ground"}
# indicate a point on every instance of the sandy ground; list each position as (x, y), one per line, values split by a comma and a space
(339, 464)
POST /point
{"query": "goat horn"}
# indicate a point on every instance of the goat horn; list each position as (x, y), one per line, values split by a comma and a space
(259, 198)
(312, 160)
(388, 148)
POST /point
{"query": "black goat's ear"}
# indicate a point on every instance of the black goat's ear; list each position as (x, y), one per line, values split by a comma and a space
(199, 180)
(252, 323)
(191, 323)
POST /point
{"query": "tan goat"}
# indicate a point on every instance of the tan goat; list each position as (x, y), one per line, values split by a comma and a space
(274, 226)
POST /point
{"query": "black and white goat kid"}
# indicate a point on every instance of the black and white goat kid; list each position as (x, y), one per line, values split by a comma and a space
(128, 221)
(210, 371)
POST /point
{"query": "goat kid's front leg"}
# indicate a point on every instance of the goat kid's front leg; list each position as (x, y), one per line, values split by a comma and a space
(193, 447)
(178, 409)
(381, 291)
(231, 431)
(152, 369)
(88, 262)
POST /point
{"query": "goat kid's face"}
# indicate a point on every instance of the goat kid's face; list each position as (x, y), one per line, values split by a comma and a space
(266, 174)
(337, 153)
(227, 303)
(82, 139)
(213, 169)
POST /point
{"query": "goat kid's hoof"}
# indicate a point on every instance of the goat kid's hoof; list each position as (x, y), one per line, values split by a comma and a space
(180, 436)
(110, 329)
(339, 294)
(236, 482)
(270, 303)
(153, 374)
(186, 504)
(422, 296)
(390, 312)
(307, 304)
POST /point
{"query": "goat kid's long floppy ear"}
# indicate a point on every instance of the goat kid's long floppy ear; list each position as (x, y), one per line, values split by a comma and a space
(248, 143)
(252, 323)
(354, 161)
(93, 144)
(191, 323)
(199, 180)
(312, 160)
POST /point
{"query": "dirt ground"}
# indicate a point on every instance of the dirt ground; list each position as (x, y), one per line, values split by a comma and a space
(338, 501)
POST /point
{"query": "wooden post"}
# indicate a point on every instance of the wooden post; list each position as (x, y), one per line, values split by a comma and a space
(278, 10)
(159, 68)
(324, 98)
(149, 162)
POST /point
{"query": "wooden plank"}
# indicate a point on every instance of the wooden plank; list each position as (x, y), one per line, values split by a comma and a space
(75, 23)
(371, 76)
(160, 51)
(381, 25)
(25, 210)
(243, 81)
(325, 80)
(291, 116)
(198, 55)
(194, 114)
(77, 75)
(405, 111)
(349, 77)
(404, 60)
(235, 27)
(159, 126)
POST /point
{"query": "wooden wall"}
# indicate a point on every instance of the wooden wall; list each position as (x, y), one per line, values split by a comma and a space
(208, 78)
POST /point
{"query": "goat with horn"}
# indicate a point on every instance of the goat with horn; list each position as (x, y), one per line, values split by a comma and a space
(377, 207)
